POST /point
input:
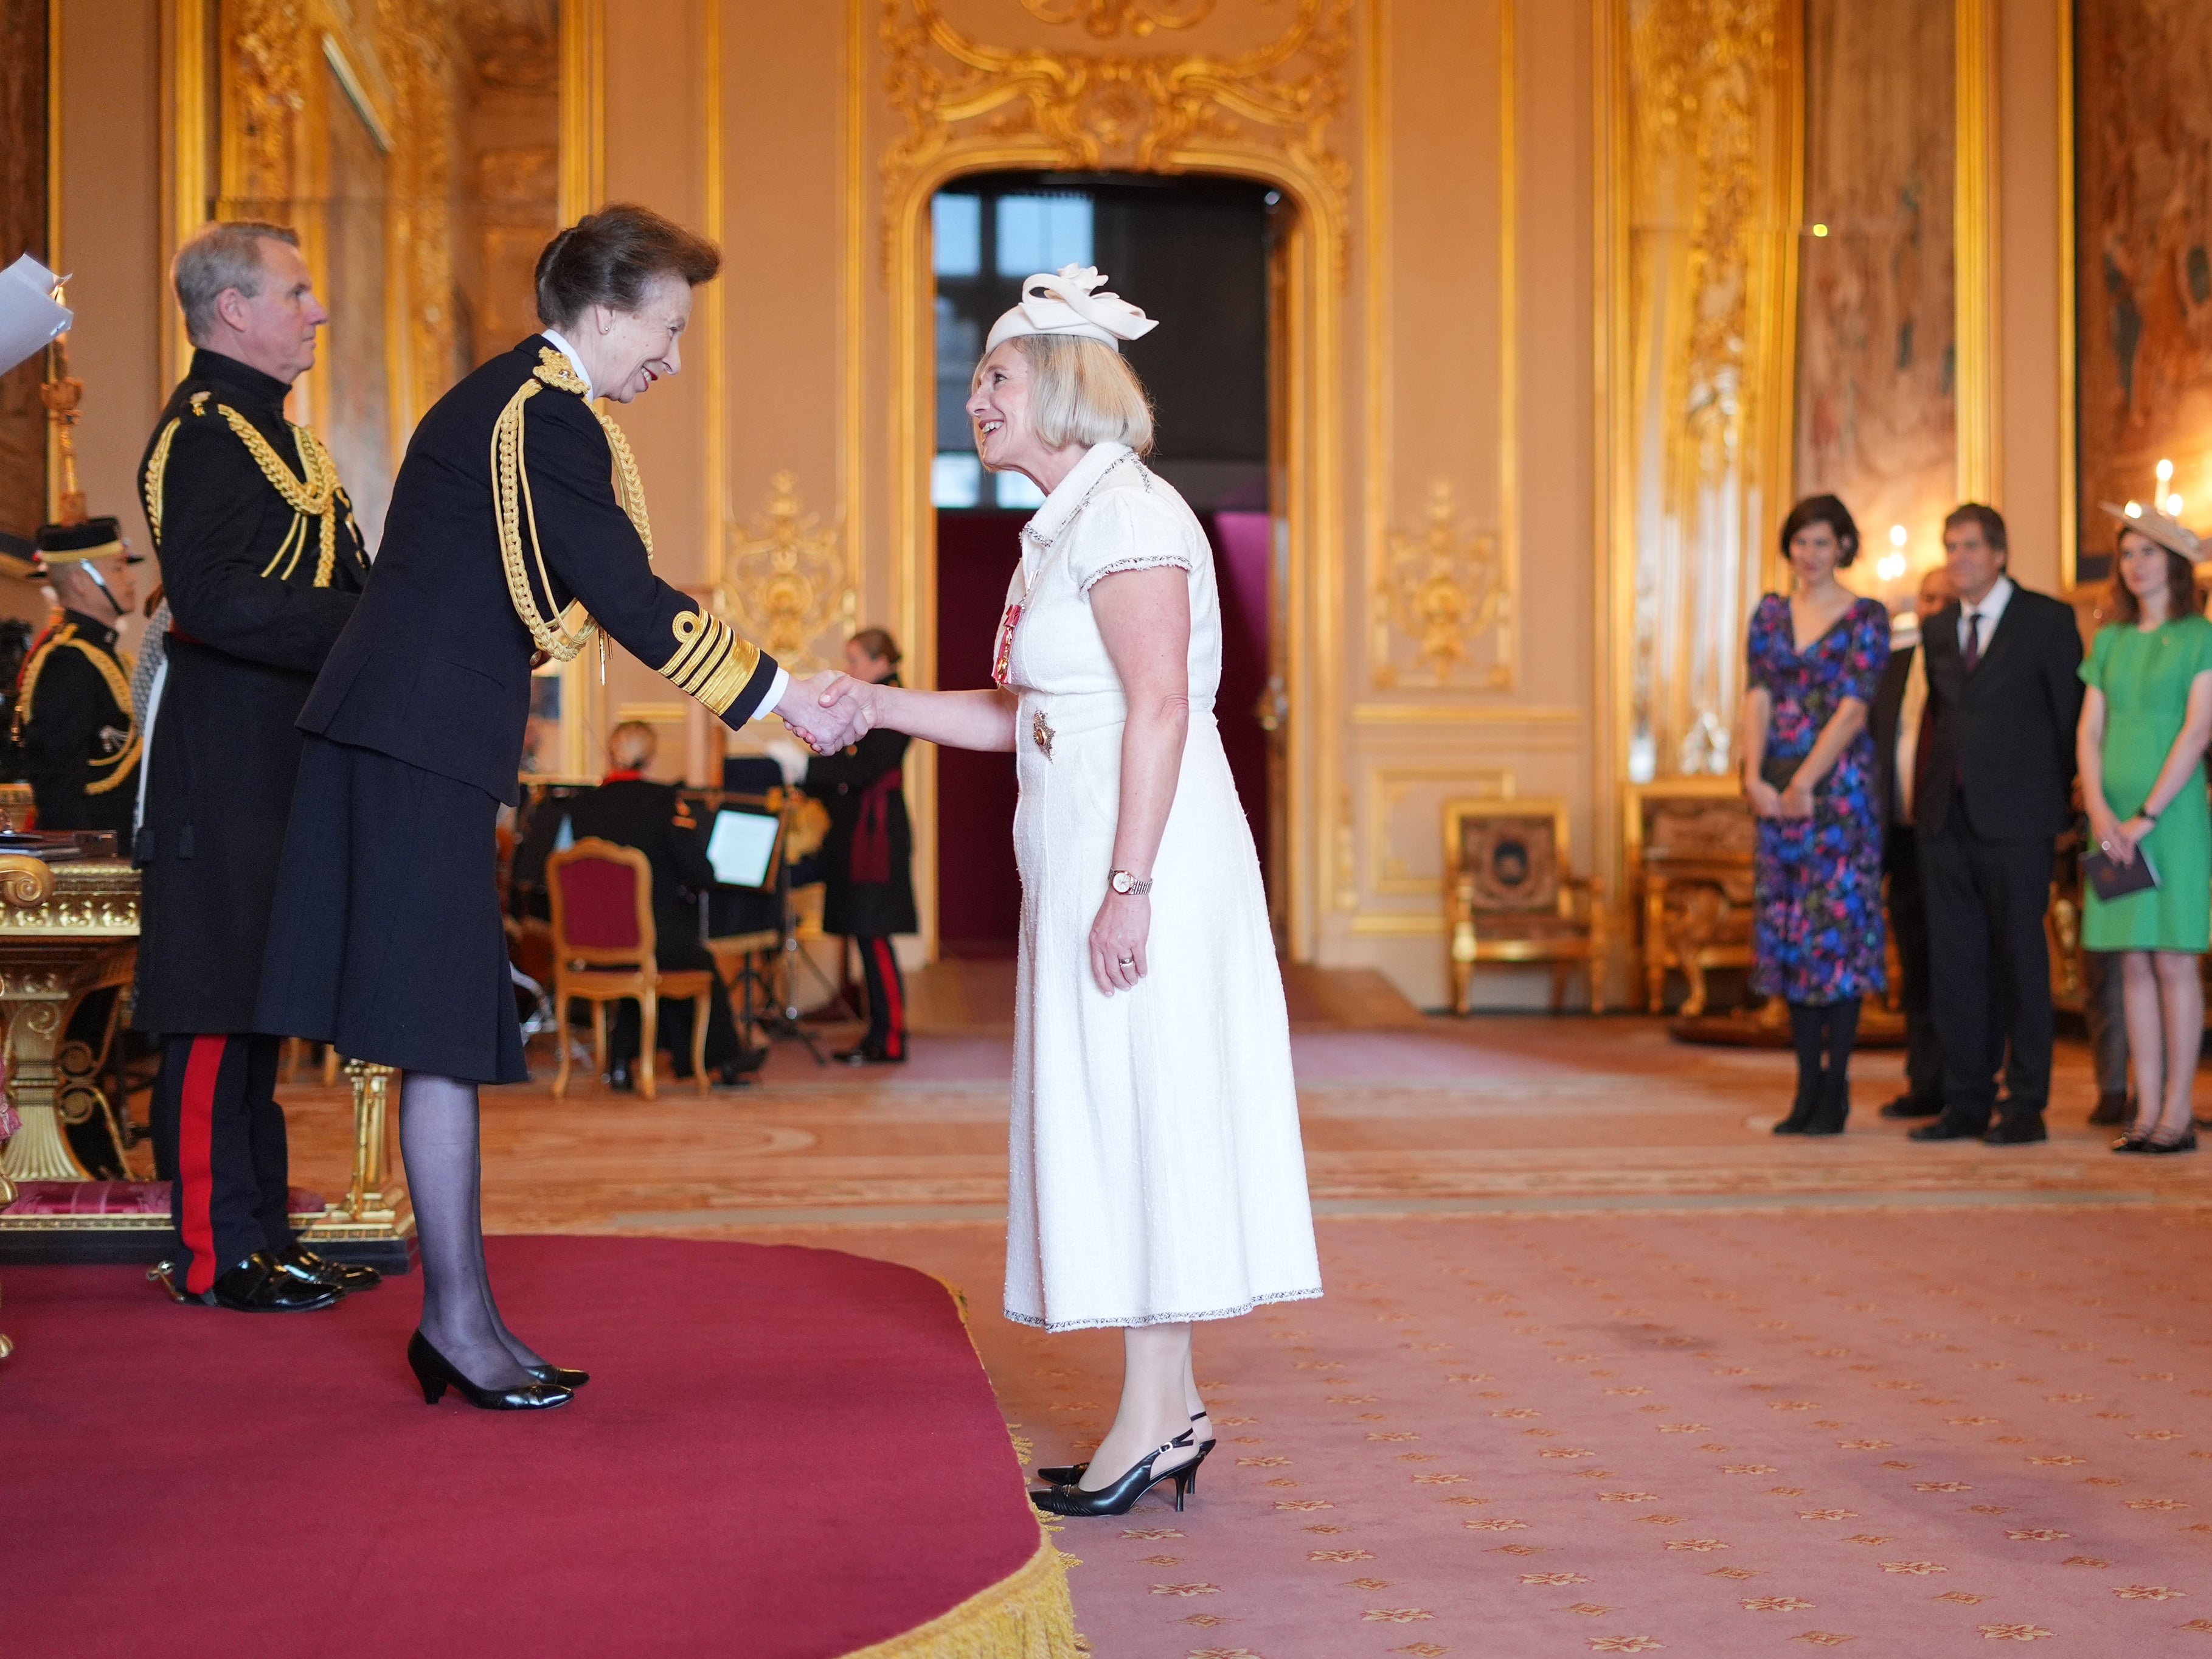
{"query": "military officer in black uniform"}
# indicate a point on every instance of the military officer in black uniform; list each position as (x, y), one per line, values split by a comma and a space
(631, 810)
(262, 566)
(867, 858)
(73, 718)
(518, 532)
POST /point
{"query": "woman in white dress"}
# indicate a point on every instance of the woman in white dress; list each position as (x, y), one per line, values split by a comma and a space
(1157, 1174)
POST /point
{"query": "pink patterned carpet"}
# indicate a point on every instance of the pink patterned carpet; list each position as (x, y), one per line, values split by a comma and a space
(1902, 1433)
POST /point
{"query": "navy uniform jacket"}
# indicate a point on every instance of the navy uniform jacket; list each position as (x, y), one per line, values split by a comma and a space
(79, 737)
(251, 626)
(434, 667)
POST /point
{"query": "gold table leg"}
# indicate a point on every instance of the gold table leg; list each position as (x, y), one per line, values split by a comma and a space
(38, 1151)
(375, 1205)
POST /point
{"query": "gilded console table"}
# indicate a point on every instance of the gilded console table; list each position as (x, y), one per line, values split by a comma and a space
(65, 929)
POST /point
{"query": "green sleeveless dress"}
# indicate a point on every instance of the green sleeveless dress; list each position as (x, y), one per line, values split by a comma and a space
(2145, 678)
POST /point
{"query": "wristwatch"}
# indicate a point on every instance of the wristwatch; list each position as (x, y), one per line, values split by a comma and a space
(1123, 882)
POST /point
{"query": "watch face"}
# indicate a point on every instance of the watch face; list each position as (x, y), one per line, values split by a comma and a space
(1121, 882)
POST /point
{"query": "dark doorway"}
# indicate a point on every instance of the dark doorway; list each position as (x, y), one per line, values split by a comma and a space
(1195, 253)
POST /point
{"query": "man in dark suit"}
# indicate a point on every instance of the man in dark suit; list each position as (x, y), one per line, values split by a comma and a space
(1899, 718)
(1996, 774)
(262, 566)
(630, 810)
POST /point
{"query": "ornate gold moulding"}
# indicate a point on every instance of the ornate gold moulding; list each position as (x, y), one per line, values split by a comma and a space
(69, 928)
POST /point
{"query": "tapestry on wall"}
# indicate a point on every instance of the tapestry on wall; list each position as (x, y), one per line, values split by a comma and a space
(1877, 406)
(2143, 255)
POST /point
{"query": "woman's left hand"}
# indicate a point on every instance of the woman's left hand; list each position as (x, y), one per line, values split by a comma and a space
(1117, 942)
(1797, 799)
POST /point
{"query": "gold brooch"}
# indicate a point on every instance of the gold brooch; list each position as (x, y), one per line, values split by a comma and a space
(1042, 732)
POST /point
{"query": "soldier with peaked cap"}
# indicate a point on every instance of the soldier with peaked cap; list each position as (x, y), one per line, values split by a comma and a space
(73, 716)
(262, 566)
(517, 530)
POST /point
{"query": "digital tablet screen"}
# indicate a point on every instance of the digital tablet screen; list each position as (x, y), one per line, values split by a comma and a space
(741, 846)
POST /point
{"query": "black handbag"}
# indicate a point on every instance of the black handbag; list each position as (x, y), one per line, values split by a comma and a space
(1777, 771)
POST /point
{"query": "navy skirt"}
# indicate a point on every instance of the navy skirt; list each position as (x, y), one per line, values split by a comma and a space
(386, 938)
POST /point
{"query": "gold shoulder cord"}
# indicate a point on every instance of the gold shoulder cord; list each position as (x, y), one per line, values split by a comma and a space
(315, 497)
(118, 687)
(710, 662)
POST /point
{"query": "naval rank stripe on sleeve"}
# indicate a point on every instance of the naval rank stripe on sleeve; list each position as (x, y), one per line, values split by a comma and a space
(710, 662)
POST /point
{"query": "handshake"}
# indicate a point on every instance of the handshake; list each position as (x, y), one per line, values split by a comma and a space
(829, 711)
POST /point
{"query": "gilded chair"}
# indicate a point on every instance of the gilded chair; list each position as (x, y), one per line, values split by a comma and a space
(1513, 899)
(601, 896)
(1691, 843)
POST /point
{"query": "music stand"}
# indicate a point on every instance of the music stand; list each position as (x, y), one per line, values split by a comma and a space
(784, 1020)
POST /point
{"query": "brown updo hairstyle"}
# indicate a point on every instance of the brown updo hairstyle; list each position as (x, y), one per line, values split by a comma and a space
(878, 644)
(2184, 597)
(608, 258)
(1830, 511)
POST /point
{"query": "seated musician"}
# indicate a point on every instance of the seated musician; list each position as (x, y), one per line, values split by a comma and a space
(630, 810)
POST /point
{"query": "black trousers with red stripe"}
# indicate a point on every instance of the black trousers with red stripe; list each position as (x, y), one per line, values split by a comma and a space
(217, 1126)
(886, 996)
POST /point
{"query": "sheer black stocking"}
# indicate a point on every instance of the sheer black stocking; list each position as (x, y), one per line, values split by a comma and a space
(440, 1146)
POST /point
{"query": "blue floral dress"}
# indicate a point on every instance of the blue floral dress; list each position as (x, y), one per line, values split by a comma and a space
(1819, 934)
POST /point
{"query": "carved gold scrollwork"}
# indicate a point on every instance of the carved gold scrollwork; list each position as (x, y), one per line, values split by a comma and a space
(1443, 590)
(1154, 112)
(25, 883)
(1104, 18)
(786, 581)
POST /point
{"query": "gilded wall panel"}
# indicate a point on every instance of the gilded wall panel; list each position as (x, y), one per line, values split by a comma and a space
(1711, 203)
(1877, 396)
(2144, 258)
(22, 228)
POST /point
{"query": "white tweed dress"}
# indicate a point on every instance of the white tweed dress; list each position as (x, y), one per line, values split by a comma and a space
(1157, 1171)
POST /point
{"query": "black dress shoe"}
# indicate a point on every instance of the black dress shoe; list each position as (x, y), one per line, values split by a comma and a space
(260, 1285)
(740, 1072)
(436, 1374)
(2158, 1148)
(2016, 1131)
(304, 1264)
(1911, 1105)
(2112, 1107)
(620, 1078)
(1947, 1129)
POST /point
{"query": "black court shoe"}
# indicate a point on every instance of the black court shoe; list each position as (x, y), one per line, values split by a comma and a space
(2158, 1148)
(305, 1265)
(1117, 1498)
(436, 1374)
(1066, 1474)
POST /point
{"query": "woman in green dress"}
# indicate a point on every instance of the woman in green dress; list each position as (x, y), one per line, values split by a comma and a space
(2145, 723)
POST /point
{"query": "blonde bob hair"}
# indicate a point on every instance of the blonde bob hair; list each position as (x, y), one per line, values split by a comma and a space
(1082, 392)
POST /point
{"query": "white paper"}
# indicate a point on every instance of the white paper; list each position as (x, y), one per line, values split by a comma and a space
(29, 315)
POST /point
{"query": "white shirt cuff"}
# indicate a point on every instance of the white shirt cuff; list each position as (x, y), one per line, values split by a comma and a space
(776, 689)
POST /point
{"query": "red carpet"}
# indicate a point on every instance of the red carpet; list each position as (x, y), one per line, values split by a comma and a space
(783, 1453)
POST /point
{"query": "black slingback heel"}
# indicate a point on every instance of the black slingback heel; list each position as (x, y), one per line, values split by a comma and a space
(1066, 1474)
(1117, 1498)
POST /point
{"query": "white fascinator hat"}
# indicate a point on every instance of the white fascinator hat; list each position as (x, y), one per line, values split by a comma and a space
(1066, 301)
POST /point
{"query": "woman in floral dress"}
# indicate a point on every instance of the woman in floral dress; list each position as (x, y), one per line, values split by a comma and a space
(1818, 939)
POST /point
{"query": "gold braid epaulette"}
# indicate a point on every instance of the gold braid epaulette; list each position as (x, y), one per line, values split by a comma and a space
(318, 495)
(560, 637)
(118, 687)
(710, 662)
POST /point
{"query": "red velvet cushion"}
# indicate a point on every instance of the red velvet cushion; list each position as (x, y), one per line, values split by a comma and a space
(598, 900)
(118, 1198)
